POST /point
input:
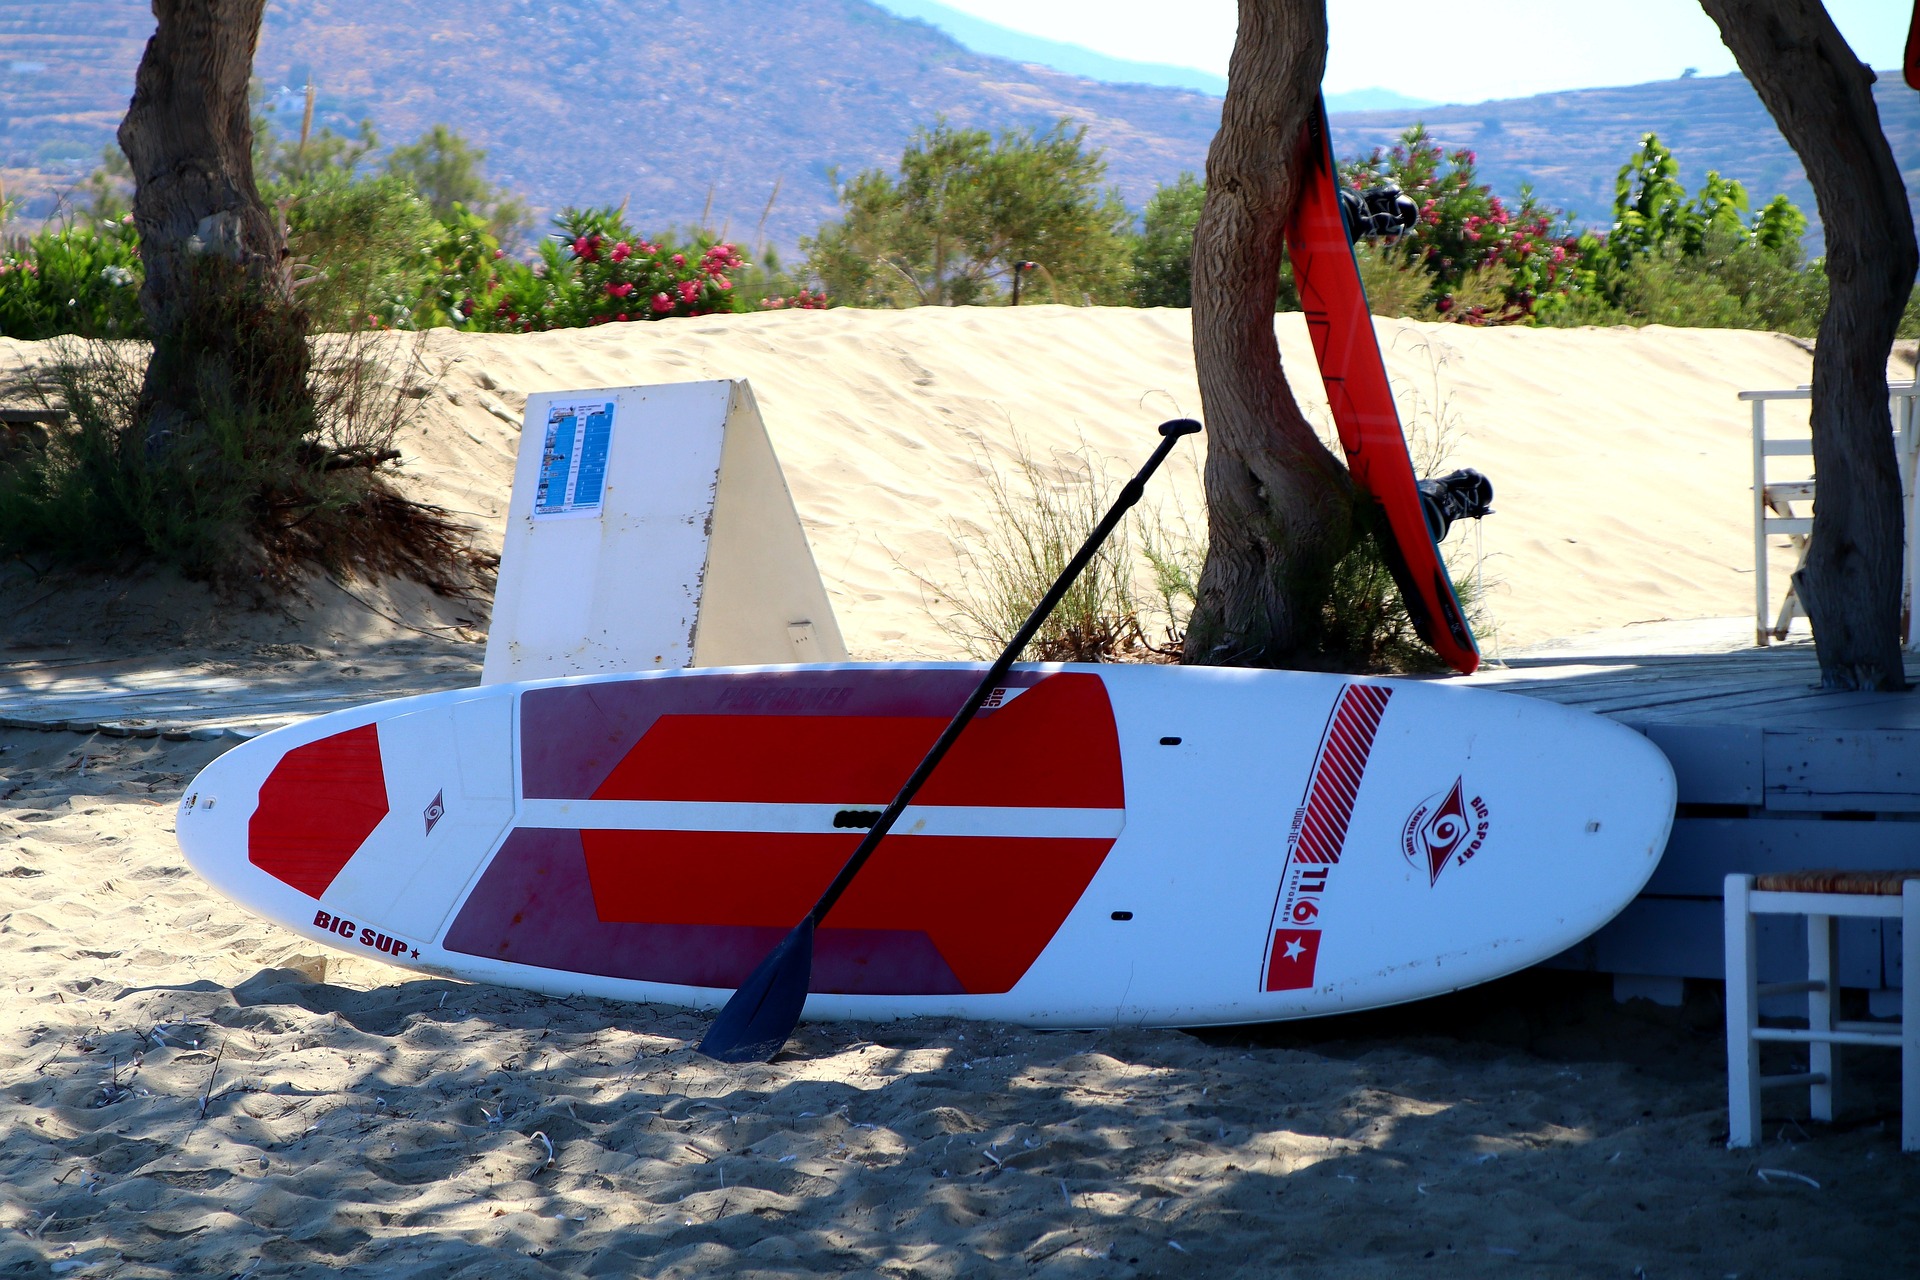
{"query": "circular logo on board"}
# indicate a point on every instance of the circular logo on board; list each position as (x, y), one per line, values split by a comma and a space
(1447, 827)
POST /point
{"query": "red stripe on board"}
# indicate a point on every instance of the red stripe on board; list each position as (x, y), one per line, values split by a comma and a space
(989, 905)
(1055, 746)
(317, 807)
(1332, 790)
(1337, 772)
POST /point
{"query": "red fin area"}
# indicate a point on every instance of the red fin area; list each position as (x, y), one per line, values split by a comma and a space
(317, 807)
(1052, 746)
(989, 905)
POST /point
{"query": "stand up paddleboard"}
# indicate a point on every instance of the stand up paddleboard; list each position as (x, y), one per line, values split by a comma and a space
(1104, 844)
(1348, 352)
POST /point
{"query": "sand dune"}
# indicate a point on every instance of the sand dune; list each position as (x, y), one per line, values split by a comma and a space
(1620, 456)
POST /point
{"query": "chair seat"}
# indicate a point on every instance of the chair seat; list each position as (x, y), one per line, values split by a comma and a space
(1881, 883)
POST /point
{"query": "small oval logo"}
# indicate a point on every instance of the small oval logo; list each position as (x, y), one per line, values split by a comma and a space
(1448, 826)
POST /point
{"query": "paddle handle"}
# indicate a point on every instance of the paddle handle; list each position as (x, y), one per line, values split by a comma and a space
(1130, 494)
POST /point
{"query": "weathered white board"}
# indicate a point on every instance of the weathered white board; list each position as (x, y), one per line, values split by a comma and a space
(651, 527)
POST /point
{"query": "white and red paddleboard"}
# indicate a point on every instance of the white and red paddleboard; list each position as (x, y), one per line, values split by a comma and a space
(1104, 845)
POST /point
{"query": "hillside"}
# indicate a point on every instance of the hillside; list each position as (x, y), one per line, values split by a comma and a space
(1570, 145)
(603, 100)
(661, 102)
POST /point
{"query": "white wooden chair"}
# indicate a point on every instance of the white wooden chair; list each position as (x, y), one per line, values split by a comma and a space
(1773, 510)
(1784, 507)
(1819, 896)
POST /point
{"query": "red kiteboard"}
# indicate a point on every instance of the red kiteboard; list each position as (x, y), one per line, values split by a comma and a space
(1328, 279)
(1911, 65)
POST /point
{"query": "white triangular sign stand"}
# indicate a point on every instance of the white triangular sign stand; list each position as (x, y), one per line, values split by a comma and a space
(651, 527)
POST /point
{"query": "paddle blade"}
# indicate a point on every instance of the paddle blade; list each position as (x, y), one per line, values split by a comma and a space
(764, 1011)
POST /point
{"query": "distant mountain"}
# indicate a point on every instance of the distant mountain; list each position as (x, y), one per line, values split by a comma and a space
(680, 106)
(1570, 145)
(982, 36)
(667, 104)
(1374, 100)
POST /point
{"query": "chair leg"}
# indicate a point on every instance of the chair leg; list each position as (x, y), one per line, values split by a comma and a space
(1823, 966)
(1910, 1016)
(1743, 1015)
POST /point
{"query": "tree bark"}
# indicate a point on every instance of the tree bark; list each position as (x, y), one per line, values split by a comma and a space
(218, 289)
(1279, 504)
(1820, 95)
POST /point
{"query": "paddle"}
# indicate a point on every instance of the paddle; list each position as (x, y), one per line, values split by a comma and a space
(761, 1015)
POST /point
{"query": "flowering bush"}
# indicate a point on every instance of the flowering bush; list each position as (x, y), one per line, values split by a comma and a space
(597, 270)
(801, 300)
(1468, 241)
(76, 279)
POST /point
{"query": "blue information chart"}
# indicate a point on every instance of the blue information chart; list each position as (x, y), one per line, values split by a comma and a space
(573, 465)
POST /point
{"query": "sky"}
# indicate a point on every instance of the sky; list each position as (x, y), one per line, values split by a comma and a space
(1447, 53)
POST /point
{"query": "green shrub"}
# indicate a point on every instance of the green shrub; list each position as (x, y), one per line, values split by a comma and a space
(1163, 253)
(964, 209)
(1042, 514)
(266, 485)
(74, 279)
(363, 251)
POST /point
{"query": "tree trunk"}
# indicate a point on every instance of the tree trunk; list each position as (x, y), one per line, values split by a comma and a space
(218, 291)
(1820, 96)
(1279, 505)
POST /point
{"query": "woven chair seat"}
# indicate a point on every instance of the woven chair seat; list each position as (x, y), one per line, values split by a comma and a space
(1881, 883)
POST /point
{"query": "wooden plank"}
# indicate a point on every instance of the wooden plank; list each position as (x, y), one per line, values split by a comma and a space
(1682, 938)
(1713, 764)
(1870, 770)
(1702, 852)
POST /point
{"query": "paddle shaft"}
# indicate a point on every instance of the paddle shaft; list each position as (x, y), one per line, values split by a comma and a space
(1129, 494)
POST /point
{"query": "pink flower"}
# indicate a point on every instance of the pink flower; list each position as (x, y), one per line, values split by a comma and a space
(661, 302)
(499, 254)
(688, 289)
(620, 252)
(583, 248)
(722, 282)
(620, 290)
(622, 316)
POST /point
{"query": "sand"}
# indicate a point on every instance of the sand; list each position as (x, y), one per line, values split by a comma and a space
(187, 1090)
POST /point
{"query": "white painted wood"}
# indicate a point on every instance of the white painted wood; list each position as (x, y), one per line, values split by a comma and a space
(763, 599)
(1577, 810)
(1823, 967)
(1743, 1016)
(1910, 1016)
(694, 556)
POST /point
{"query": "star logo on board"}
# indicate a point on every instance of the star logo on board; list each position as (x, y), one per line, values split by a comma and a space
(1295, 956)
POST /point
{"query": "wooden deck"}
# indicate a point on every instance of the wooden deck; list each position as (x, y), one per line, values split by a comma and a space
(158, 696)
(1773, 773)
